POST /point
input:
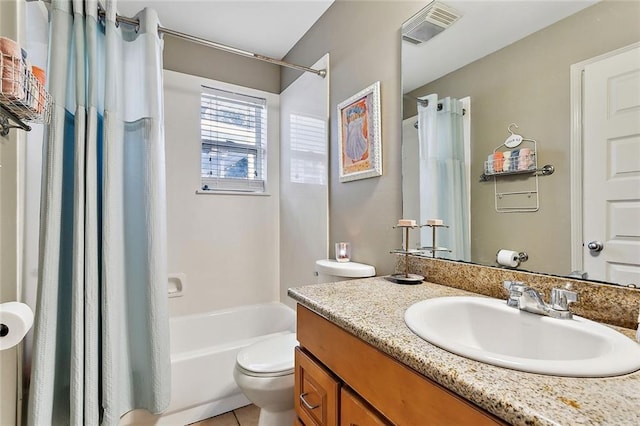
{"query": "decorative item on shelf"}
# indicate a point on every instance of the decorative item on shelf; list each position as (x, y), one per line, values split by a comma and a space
(343, 252)
(516, 156)
(514, 160)
(434, 224)
(359, 139)
(23, 97)
(406, 277)
(510, 258)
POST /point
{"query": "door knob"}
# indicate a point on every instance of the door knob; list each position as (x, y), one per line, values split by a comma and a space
(595, 246)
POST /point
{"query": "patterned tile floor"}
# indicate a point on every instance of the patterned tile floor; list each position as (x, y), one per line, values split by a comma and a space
(245, 416)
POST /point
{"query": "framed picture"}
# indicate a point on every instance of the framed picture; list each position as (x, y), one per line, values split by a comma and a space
(359, 135)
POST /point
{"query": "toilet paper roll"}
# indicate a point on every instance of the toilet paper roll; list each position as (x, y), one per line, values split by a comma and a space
(16, 319)
(508, 258)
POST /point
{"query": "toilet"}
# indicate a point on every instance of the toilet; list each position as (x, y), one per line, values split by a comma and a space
(330, 270)
(264, 371)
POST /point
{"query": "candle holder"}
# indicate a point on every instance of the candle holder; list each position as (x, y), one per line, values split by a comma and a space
(343, 252)
(406, 277)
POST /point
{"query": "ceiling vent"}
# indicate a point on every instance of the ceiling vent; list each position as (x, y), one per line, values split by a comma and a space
(429, 22)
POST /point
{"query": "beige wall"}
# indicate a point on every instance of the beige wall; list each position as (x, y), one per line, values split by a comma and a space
(363, 39)
(12, 161)
(195, 59)
(528, 83)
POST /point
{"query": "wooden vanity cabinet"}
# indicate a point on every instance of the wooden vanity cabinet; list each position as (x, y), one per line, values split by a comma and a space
(317, 392)
(354, 411)
(349, 382)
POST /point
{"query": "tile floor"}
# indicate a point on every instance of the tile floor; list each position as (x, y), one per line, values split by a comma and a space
(244, 416)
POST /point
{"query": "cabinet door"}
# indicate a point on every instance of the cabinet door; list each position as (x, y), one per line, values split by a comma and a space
(355, 412)
(316, 392)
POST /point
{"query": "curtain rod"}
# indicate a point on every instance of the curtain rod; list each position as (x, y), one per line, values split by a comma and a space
(209, 43)
(423, 102)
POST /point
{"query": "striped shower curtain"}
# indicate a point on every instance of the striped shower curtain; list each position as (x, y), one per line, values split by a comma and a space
(443, 184)
(101, 339)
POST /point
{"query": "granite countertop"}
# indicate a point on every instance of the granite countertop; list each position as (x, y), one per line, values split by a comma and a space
(373, 310)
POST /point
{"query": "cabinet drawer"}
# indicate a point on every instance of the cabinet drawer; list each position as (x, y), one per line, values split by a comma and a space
(355, 412)
(316, 392)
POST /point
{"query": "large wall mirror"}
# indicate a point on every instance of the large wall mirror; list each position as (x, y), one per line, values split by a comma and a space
(478, 71)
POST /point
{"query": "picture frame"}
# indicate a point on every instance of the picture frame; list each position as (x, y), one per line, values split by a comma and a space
(359, 141)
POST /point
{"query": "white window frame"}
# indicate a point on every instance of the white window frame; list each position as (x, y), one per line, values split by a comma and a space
(222, 184)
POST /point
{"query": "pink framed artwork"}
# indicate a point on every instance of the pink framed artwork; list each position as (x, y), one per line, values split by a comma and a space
(359, 135)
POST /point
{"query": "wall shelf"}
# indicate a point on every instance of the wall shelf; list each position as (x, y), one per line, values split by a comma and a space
(517, 156)
(545, 170)
(23, 97)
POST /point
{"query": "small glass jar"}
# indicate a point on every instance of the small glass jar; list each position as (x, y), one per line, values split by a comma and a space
(343, 252)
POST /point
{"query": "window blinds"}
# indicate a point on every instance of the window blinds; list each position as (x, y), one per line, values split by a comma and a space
(233, 130)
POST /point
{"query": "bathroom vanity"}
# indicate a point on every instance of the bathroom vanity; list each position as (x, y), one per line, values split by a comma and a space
(337, 373)
(358, 360)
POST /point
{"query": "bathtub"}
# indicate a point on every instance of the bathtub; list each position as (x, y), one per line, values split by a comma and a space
(203, 355)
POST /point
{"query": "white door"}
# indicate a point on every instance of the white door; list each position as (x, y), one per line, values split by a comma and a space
(611, 146)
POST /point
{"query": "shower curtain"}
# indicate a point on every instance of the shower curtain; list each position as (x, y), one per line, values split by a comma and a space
(101, 339)
(443, 184)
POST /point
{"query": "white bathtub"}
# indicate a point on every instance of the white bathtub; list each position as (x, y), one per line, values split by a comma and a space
(203, 354)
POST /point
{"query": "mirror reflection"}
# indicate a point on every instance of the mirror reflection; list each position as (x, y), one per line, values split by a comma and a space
(492, 72)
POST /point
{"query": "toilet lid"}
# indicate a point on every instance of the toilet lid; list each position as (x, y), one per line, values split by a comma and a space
(272, 355)
(344, 269)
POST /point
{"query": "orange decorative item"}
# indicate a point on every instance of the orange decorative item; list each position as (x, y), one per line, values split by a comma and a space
(12, 71)
(40, 75)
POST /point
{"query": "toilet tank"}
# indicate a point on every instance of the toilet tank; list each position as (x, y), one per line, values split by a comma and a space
(330, 270)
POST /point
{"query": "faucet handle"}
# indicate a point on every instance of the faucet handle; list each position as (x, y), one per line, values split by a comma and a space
(560, 298)
(514, 286)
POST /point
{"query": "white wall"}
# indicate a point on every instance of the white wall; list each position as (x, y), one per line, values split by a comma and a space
(304, 194)
(227, 245)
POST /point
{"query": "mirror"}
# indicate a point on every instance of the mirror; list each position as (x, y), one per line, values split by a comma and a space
(513, 61)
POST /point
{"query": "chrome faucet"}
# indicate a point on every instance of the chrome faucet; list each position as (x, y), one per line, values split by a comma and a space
(529, 299)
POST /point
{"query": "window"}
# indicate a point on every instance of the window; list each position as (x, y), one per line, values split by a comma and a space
(233, 129)
(308, 150)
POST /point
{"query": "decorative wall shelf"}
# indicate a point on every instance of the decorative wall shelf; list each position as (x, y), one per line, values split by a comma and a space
(23, 97)
(517, 156)
(545, 170)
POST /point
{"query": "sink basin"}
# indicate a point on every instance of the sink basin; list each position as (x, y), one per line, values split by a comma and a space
(489, 331)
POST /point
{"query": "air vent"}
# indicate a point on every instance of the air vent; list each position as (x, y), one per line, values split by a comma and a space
(428, 23)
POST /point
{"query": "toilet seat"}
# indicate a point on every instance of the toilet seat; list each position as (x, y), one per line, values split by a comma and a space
(271, 357)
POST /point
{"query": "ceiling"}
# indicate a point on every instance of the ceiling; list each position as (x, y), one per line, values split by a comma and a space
(266, 27)
(485, 27)
(273, 27)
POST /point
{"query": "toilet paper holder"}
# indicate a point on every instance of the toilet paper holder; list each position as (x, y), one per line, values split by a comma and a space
(519, 257)
(16, 320)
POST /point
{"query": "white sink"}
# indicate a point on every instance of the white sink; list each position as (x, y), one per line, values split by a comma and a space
(489, 331)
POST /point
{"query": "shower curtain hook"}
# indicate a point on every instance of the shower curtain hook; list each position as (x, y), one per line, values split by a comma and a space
(509, 127)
